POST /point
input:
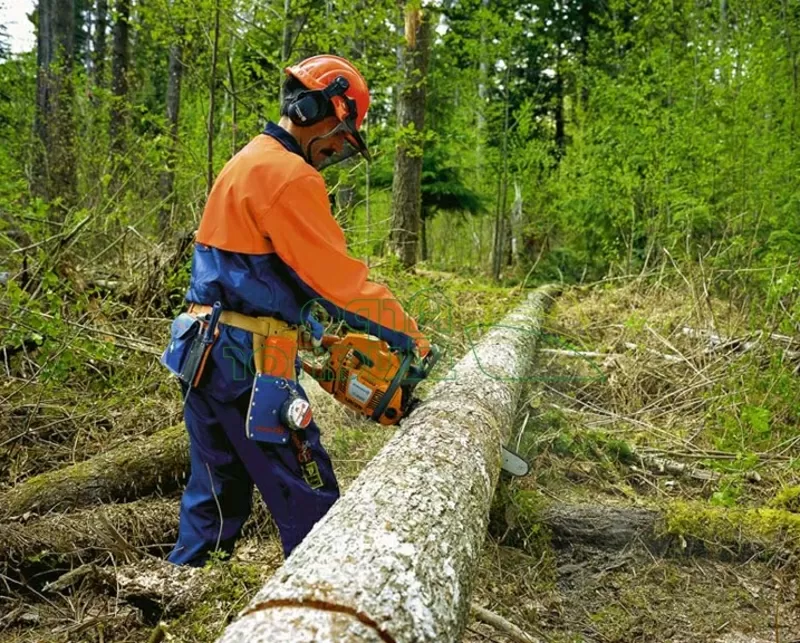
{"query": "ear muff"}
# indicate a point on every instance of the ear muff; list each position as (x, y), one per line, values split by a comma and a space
(311, 106)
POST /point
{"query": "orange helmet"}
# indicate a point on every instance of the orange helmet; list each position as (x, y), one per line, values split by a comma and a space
(319, 72)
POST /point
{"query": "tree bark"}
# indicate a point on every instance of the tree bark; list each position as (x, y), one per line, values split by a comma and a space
(158, 462)
(560, 136)
(54, 162)
(84, 534)
(424, 237)
(502, 195)
(407, 181)
(211, 104)
(393, 559)
(99, 54)
(119, 77)
(167, 178)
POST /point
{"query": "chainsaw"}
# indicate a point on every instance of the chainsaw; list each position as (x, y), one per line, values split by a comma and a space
(365, 374)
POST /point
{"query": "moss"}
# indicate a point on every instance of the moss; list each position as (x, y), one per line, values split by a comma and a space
(514, 521)
(765, 527)
(613, 622)
(787, 498)
(231, 585)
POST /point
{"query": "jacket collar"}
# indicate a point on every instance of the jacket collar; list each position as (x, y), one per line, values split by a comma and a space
(284, 138)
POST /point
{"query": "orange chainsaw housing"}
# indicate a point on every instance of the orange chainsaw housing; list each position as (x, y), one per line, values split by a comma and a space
(358, 372)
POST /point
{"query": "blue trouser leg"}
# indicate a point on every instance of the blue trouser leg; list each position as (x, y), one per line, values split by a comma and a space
(218, 444)
(216, 501)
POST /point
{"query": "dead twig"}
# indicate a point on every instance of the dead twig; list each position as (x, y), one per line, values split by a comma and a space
(505, 626)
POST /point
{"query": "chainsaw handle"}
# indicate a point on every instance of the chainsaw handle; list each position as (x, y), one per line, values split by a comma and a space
(329, 340)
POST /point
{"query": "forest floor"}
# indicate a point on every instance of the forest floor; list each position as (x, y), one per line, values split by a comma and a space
(646, 396)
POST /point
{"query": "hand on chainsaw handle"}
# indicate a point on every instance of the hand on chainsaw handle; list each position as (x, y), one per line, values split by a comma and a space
(311, 335)
(422, 347)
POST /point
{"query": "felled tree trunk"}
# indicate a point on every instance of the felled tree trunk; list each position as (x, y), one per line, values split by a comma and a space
(670, 529)
(394, 558)
(158, 462)
(123, 529)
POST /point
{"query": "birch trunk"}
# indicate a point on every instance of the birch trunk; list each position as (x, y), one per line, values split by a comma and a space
(394, 558)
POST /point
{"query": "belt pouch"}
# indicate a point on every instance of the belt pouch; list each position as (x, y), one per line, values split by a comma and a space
(183, 332)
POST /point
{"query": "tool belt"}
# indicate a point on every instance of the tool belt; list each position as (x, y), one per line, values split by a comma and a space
(274, 340)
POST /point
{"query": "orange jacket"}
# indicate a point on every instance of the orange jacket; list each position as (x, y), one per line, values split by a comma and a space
(268, 200)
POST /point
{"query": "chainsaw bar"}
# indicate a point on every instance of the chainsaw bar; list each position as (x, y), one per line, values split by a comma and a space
(514, 464)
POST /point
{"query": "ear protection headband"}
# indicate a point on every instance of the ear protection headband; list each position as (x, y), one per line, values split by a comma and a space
(310, 107)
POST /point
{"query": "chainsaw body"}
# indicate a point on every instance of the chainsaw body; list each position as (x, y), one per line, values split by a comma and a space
(365, 374)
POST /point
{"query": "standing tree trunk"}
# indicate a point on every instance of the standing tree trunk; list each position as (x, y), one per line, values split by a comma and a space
(99, 54)
(584, 28)
(234, 101)
(211, 104)
(502, 195)
(345, 194)
(400, 54)
(54, 163)
(292, 26)
(286, 44)
(167, 178)
(483, 77)
(560, 138)
(407, 182)
(424, 237)
(515, 225)
(119, 77)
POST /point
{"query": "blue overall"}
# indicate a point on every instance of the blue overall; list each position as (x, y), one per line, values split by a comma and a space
(225, 463)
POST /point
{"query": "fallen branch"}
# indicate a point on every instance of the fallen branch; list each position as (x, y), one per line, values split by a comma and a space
(564, 352)
(744, 344)
(499, 623)
(665, 466)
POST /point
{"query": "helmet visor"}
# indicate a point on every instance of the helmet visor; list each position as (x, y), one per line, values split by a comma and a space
(353, 144)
